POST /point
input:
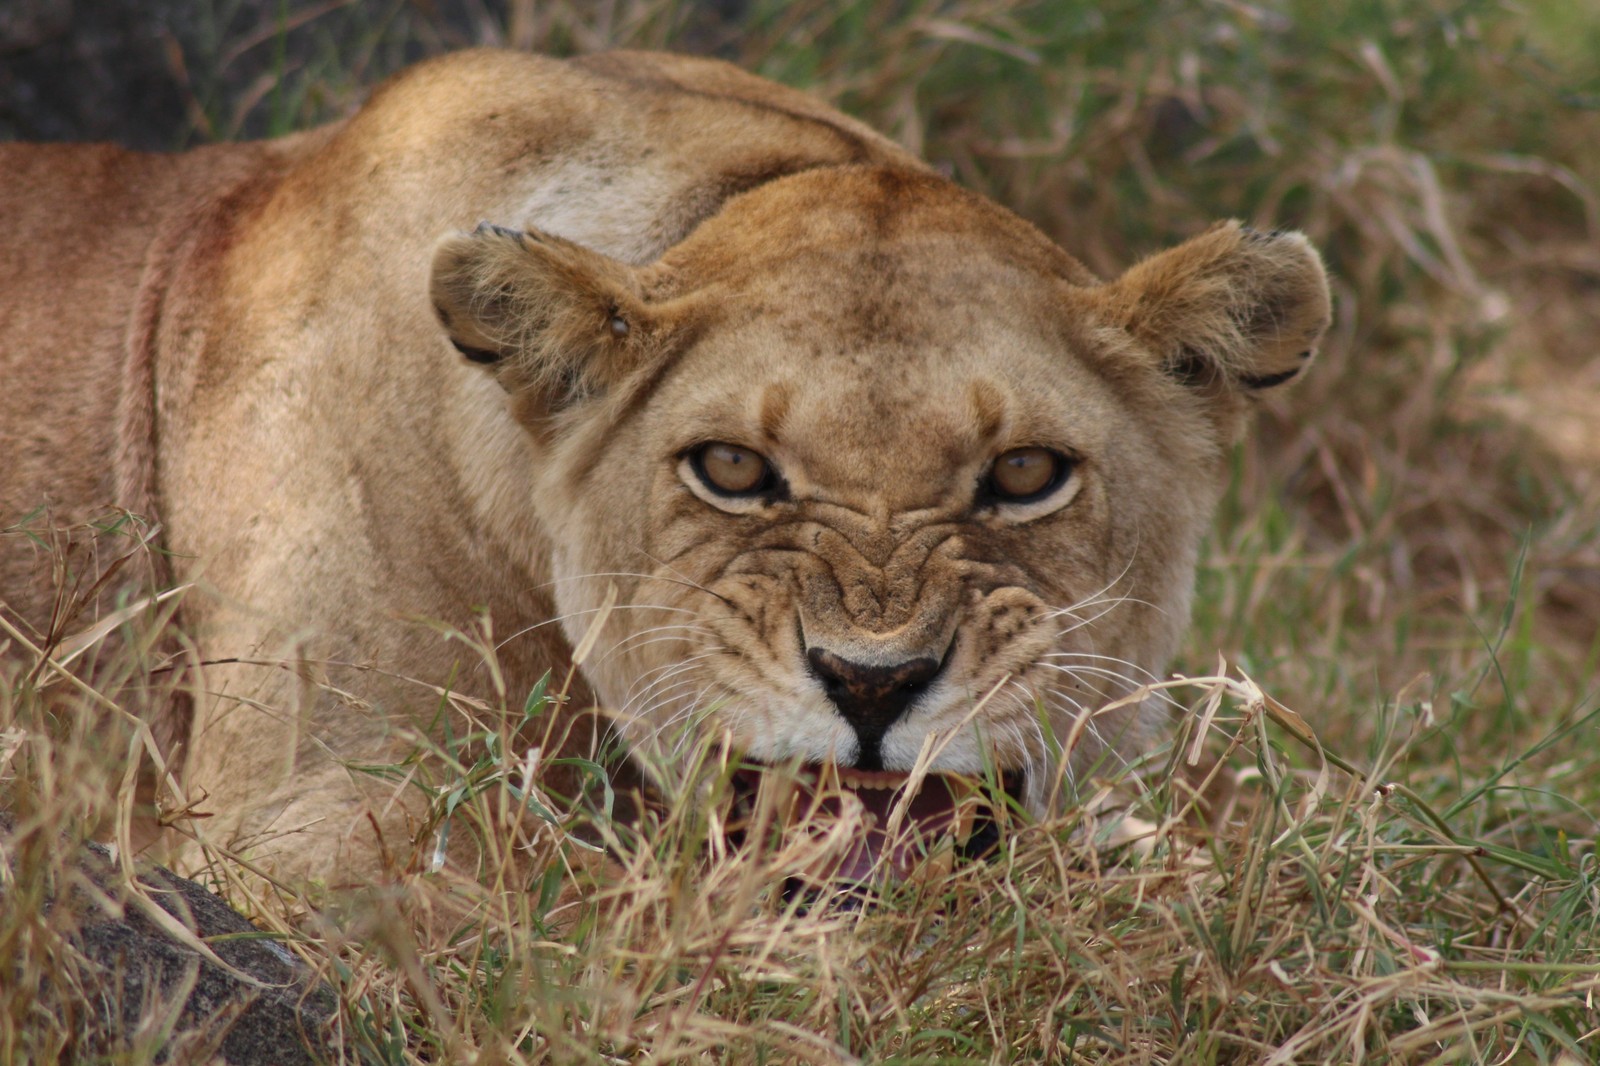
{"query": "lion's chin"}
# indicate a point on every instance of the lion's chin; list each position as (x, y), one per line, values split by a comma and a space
(872, 825)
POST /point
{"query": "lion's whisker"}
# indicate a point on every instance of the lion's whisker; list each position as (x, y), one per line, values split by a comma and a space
(525, 630)
(684, 580)
(660, 675)
(638, 575)
(649, 687)
(656, 635)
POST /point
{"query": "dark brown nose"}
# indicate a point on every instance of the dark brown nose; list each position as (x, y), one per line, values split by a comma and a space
(872, 698)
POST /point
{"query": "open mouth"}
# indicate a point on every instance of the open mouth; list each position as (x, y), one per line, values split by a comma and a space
(881, 823)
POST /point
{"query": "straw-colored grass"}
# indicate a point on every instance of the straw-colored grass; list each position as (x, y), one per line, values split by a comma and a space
(1395, 652)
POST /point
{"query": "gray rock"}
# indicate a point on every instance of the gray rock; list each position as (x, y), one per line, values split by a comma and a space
(126, 970)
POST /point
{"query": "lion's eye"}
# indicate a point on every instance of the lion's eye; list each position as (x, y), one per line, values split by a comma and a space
(1025, 474)
(731, 470)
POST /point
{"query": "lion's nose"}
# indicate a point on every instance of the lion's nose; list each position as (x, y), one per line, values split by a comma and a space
(871, 698)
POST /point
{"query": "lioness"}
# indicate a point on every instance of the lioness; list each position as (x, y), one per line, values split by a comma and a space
(867, 467)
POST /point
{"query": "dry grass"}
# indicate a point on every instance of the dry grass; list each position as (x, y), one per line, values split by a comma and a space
(1409, 558)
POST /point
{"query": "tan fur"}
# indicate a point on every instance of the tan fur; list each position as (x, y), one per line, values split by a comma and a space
(244, 343)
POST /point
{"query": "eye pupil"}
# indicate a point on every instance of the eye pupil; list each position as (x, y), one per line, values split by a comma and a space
(1023, 473)
(730, 469)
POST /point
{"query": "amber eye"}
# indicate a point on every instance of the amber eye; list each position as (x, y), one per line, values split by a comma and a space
(731, 470)
(1025, 474)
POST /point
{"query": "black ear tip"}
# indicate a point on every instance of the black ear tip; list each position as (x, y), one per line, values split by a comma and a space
(1267, 381)
(1191, 368)
(481, 356)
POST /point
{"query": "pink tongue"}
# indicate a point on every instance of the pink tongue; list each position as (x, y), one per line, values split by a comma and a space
(815, 809)
(930, 814)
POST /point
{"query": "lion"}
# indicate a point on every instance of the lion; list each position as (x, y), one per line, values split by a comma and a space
(819, 455)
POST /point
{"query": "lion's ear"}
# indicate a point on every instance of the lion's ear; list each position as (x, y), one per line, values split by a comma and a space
(1232, 312)
(554, 321)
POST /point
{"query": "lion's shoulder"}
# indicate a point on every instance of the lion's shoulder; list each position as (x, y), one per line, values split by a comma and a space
(491, 109)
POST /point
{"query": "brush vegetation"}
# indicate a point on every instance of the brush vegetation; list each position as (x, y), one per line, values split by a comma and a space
(1392, 669)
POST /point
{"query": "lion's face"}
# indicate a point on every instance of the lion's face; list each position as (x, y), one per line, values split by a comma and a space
(925, 504)
(876, 472)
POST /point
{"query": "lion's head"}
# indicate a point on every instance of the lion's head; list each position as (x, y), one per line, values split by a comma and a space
(876, 470)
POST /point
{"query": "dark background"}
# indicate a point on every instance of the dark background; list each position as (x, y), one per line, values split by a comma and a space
(166, 74)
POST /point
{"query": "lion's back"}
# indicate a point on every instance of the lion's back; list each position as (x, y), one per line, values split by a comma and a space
(79, 224)
(76, 220)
